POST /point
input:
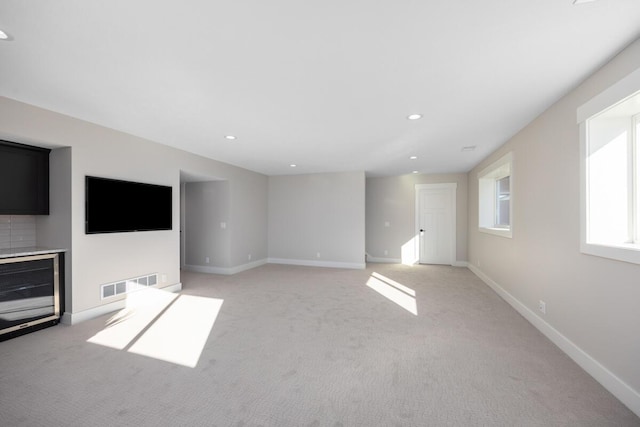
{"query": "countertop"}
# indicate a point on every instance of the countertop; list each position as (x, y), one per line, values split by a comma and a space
(33, 250)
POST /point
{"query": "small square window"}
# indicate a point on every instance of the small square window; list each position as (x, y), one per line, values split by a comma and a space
(494, 197)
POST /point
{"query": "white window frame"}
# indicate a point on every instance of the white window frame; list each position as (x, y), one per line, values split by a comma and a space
(623, 89)
(488, 197)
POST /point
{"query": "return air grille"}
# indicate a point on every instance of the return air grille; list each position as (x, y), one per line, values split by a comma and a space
(128, 285)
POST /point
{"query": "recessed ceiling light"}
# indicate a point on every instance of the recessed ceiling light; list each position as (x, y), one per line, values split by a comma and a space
(415, 172)
(3, 35)
(469, 148)
(582, 1)
(413, 157)
(414, 116)
(230, 137)
(293, 165)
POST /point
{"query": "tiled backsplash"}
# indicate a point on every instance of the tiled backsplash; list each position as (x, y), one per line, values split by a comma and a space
(17, 231)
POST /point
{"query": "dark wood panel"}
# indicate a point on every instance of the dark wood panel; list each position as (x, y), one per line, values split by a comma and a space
(24, 179)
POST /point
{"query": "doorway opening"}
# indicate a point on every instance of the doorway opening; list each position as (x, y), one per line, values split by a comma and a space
(204, 218)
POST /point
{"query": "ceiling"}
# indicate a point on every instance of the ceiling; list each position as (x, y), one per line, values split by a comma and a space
(326, 85)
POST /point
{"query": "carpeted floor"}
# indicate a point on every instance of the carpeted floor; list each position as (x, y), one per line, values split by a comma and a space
(299, 346)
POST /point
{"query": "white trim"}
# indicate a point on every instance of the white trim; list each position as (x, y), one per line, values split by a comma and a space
(227, 271)
(498, 169)
(582, 131)
(81, 316)
(443, 186)
(604, 376)
(630, 253)
(453, 188)
(503, 232)
(182, 222)
(313, 263)
(384, 260)
(205, 269)
(247, 266)
(376, 260)
(615, 93)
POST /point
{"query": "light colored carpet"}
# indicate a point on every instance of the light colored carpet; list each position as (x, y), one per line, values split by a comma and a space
(298, 346)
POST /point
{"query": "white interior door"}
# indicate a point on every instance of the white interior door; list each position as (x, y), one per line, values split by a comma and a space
(435, 215)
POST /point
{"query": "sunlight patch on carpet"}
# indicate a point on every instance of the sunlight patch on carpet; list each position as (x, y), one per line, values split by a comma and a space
(396, 292)
(162, 325)
(141, 309)
(179, 335)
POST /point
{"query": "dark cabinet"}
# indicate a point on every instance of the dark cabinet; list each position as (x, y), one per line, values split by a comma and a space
(24, 179)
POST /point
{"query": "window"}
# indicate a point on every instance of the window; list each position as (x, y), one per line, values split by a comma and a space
(610, 181)
(503, 202)
(494, 186)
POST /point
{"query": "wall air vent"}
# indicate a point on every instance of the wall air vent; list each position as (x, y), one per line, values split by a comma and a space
(127, 285)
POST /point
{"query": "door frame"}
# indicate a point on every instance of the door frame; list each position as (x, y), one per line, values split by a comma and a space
(452, 187)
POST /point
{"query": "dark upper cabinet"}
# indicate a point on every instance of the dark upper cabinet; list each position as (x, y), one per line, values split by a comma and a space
(24, 179)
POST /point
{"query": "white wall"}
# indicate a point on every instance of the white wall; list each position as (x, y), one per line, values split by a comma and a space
(317, 213)
(248, 220)
(592, 303)
(54, 230)
(392, 200)
(99, 151)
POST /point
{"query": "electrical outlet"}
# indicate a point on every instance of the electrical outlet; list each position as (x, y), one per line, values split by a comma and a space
(318, 255)
(387, 224)
(249, 257)
(386, 252)
(542, 306)
(164, 278)
(206, 259)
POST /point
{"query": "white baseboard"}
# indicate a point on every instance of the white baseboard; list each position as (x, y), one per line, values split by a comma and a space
(384, 260)
(608, 379)
(312, 263)
(399, 261)
(228, 271)
(81, 316)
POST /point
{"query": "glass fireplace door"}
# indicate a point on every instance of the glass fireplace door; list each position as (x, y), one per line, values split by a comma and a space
(29, 291)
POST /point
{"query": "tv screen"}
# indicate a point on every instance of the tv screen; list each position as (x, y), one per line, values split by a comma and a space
(115, 206)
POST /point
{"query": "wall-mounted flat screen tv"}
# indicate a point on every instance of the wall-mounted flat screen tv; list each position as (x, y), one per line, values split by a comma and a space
(115, 206)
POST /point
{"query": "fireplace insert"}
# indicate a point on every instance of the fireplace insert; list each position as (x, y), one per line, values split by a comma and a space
(29, 294)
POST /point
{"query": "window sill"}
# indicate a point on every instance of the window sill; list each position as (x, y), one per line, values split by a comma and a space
(625, 252)
(502, 232)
